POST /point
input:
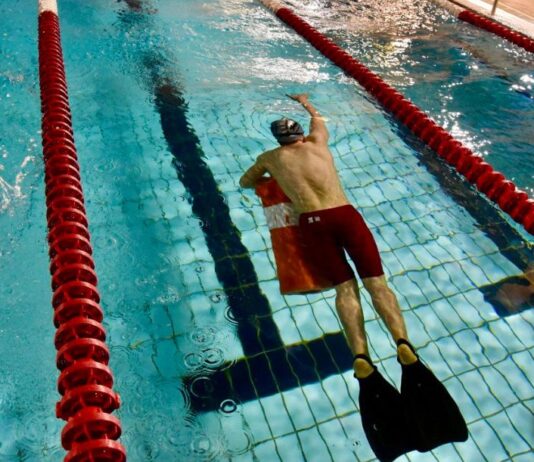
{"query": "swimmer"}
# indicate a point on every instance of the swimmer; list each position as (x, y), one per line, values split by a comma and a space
(303, 166)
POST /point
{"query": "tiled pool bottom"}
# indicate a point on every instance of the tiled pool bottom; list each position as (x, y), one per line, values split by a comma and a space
(436, 270)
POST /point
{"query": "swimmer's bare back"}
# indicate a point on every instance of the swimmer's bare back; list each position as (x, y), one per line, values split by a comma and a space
(304, 169)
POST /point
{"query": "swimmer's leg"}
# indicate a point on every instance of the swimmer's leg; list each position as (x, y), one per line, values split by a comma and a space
(349, 310)
(387, 306)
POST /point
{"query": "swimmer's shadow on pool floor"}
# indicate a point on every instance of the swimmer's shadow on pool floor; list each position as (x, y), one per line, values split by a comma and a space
(511, 295)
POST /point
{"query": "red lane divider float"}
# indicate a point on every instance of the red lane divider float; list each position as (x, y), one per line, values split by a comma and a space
(492, 183)
(86, 381)
(497, 28)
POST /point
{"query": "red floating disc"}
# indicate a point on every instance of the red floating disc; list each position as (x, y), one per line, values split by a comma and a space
(460, 155)
(49, 95)
(82, 348)
(73, 272)
(439, 137)
(405, 110)
(324, 46)
(68, 257)
(338, 55)
(64, 191)
(467, 163)
(59, 148)
(75, 290)
(414, 118)
(421, 124)
(518, 197)
(60, 154)
(68, 227)
(488, 180)
(57, 127)
(57, 114)
(446, 148)
(66, 242)
(478, 170)
(97, 451)
(64, 203)
(79, 327)
(78, 398)
(57, 180)
(385, 93)
(58, 104)
(77, 308)
(84, 372)
(90, 424)
(396, 104)
(500, 188)
(355, 67)
(55, 91)
(59, 164)
(62, 215)
(521, 209)
(507, 200)
(60, 169)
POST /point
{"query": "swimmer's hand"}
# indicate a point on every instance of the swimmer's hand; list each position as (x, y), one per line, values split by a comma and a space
(302, 98)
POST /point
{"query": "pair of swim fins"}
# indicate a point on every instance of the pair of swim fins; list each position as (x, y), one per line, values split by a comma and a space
(422, 417)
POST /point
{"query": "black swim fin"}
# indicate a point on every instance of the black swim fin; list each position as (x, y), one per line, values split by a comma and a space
(433, 414)
(383, 417)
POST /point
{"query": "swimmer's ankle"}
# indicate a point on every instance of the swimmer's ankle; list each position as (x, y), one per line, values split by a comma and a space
(406, 353)
(363, 367)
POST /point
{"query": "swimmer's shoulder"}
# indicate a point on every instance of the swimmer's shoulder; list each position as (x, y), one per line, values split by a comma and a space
(269, 156)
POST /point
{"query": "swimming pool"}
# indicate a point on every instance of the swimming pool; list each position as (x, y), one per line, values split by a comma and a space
(170, 105)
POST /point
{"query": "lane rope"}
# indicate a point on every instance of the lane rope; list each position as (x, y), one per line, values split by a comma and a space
(497, 28)
(468, 14)
(85, 381)
(493, 184)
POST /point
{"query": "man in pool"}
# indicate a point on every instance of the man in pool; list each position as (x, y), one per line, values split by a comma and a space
(304, 168)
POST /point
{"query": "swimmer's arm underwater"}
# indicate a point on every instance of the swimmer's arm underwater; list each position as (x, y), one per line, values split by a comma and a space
(318, 130)
(254, 173)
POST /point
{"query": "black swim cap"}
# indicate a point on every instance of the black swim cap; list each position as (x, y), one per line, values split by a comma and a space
(286, 131)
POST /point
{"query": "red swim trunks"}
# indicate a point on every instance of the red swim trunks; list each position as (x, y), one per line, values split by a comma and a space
(326, 234)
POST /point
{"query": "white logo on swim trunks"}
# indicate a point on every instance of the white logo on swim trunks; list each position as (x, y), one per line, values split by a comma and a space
(312, 219)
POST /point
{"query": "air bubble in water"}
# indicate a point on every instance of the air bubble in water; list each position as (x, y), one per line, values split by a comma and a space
(228, 406)
(201, 387)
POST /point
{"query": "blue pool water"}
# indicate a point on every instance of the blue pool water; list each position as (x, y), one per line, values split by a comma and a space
(170, 105)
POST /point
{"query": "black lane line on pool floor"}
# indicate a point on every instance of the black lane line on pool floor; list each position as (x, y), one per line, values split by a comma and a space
(269, 366)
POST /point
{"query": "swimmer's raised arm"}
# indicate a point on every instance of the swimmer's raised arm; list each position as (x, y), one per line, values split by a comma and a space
(318, 130)
(254, 173)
